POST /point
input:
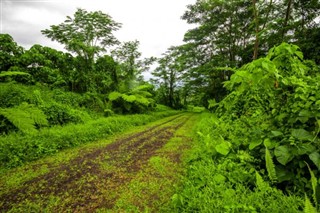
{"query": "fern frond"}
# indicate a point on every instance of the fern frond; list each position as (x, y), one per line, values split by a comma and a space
(129, 98)
(12, 73)
(114, 96)
(19, 119)
(270, 166)
(143, 87)
(314, 183)
(260, 183)
(24, 117)
(308, 207)
(142, 100)
(142, 93)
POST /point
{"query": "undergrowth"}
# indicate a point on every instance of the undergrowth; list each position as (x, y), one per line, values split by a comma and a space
(215, 183)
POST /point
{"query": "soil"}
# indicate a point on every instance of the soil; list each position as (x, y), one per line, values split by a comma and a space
(92, 179)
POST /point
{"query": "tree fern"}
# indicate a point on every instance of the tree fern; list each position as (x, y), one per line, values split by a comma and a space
(24, 117)
(129, 98)
(270, 166)
(142, 100)
(114, 96)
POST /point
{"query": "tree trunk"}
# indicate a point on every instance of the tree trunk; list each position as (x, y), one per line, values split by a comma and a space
(284, 30)
(255, 17)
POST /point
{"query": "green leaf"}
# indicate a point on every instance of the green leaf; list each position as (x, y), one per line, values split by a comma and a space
(283, 154)
(254, 144)
(302, 134)
(269, 143)
(305, 113)
(223, 148)
(315, 157)
(276, 133)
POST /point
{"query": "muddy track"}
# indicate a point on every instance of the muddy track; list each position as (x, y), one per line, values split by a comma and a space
(90, 181)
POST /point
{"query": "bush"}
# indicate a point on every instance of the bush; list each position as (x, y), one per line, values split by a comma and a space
(12, 94)
(60, 114)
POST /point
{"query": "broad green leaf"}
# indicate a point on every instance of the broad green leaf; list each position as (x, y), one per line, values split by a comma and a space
(283, 154)
(305, 148)
(283, 174)
(223, 148)
(269, 143)
(315, 157)
(254, 144)
(305, 113)
(302, 134)
(276, 133)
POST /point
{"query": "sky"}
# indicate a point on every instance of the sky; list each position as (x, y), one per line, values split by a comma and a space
(156, 24)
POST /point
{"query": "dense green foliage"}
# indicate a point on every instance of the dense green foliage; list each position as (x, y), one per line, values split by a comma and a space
(273, 106)
(224, 179)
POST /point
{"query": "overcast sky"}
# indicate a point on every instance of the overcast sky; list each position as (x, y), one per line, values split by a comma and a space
(155, 23)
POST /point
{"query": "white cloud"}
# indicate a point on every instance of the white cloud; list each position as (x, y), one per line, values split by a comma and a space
(155, 23)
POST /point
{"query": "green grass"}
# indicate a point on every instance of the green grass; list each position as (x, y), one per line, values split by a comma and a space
(152, 188)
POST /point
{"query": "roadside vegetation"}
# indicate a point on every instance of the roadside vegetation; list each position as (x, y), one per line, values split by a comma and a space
(229, 122)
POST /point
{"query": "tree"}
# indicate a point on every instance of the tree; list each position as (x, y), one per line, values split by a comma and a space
(233, 33)
(45, 65)
(9, 52)
(168, 77)
(86, 35)
(130, 64)
(106, 77)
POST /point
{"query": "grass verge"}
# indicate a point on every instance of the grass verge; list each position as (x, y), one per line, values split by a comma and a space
(16, 149)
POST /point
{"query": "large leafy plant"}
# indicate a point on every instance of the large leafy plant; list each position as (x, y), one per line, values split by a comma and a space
(137, 100)
(273, 111)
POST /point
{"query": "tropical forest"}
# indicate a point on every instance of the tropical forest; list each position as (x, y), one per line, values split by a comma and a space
(229, 121)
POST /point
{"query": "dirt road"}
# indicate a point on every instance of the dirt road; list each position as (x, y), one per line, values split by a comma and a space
(134, 173)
